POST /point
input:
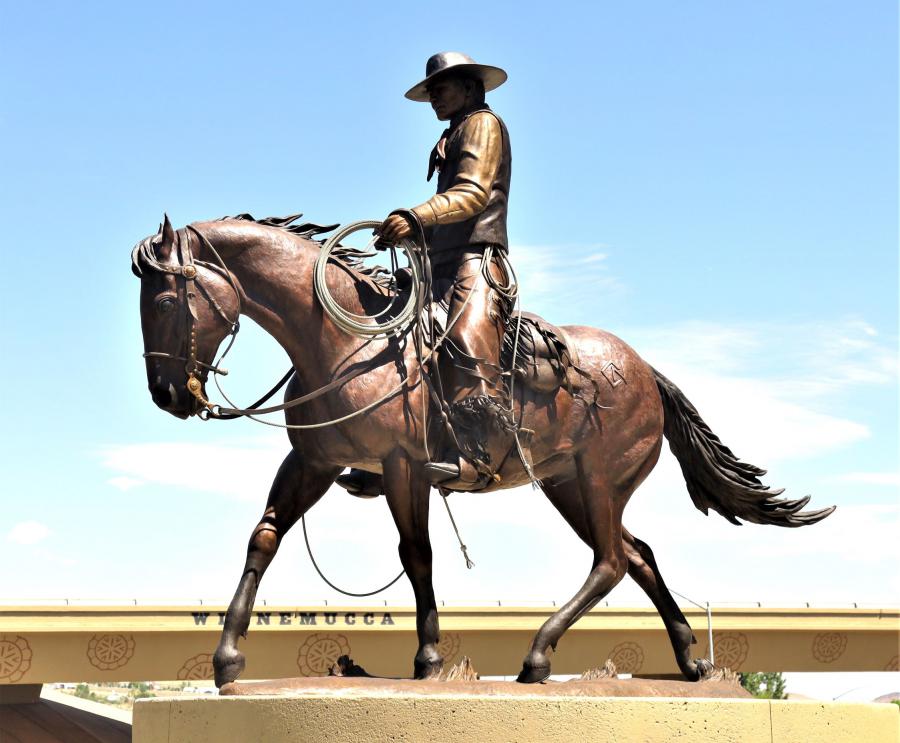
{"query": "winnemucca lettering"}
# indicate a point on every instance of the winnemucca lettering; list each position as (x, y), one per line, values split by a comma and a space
(297, 618)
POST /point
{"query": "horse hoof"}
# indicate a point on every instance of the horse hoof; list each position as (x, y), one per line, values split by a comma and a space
(430, 669)
(228, 665)
(531, 674)
(705, 669)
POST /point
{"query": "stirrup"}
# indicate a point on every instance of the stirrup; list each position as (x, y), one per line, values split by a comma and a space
(441, 472)
(362, 484)
(461, 473)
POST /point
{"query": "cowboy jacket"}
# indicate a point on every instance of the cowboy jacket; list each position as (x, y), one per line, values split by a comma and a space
(474, 163)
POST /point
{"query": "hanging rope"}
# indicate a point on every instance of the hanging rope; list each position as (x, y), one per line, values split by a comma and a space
(469, 563)
(341, 590)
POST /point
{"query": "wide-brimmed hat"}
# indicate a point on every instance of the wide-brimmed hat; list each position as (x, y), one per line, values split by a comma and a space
(492, 77)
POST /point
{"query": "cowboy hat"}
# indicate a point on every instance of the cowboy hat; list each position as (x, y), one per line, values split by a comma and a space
(492, 77)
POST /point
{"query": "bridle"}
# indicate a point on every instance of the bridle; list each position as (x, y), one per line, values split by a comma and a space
(187, 271)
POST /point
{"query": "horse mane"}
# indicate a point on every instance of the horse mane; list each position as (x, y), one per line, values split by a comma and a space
(354, 259)
(306, 230)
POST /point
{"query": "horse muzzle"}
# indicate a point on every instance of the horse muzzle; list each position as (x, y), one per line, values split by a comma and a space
(175, 400)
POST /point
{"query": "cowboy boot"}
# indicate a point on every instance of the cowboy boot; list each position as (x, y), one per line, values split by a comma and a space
(362, 484)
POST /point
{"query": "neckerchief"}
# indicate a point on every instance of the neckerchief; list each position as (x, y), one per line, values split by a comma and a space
(439, 151)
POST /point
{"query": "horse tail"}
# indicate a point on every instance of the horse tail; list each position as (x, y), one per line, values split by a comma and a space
(716, 478)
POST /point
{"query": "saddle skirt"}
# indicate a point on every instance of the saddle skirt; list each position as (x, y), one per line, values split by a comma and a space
(544, 358)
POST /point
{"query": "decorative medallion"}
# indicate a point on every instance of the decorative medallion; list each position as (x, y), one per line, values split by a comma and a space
(448, 646)
(15, 658)
(731, 649)
(892, 664)
(628, 657)
(319, 652)
(198, 668)
(829, 646)
(107, 652)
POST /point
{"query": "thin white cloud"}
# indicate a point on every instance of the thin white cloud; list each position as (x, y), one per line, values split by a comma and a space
(28, 532)
(802, 358)
(235, 469)
(757, 422)
(872, 478)
(546, 279)
(765, 389)
(124, 483)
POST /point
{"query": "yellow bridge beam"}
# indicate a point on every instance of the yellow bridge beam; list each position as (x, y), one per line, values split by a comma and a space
(40, 644)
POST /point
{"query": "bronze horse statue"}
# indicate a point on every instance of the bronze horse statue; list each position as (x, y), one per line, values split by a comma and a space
(594, 437)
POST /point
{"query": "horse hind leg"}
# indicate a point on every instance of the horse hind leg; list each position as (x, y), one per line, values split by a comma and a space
(643, 569)
(296, 488)
(594, 509)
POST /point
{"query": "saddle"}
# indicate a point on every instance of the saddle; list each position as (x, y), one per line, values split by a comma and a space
(545, 358)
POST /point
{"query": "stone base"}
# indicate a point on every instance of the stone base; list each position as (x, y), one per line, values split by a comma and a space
(381, 687)
(352, 709)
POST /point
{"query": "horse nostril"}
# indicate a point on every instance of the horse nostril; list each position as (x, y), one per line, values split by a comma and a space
(161, 395)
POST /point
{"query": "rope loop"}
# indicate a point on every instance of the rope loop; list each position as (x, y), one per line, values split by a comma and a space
(366, 326)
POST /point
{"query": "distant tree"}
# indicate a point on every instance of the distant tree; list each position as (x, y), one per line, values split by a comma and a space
(764, 685)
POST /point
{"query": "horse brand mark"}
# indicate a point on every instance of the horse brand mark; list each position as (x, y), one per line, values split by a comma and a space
(612, 374)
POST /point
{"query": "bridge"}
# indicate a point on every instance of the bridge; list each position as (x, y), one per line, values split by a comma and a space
(45, 644)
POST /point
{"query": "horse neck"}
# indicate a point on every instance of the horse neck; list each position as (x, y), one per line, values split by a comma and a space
(273, 270)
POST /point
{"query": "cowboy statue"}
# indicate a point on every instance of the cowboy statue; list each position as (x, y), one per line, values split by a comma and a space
(463, 220)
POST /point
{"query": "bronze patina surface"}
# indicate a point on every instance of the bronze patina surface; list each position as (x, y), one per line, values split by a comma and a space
(593, 442)
(594, 426)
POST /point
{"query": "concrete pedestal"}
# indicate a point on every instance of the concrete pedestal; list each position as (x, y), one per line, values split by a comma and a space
(351, 710)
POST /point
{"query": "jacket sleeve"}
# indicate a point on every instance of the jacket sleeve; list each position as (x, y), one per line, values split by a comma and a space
(480, 145)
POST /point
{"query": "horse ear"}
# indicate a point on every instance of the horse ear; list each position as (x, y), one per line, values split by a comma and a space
(168, 233)
(164, 240)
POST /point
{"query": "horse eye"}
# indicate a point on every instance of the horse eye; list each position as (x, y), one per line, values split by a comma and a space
(166, 304)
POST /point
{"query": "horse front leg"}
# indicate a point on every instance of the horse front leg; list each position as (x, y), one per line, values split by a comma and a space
(407, 493)
(296, 488)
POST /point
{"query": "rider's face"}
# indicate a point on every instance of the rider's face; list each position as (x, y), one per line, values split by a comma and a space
(448, 97)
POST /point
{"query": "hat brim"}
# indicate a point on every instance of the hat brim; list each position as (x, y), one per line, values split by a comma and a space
(492, 77)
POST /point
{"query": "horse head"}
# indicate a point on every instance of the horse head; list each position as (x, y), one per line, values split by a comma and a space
(188, 306)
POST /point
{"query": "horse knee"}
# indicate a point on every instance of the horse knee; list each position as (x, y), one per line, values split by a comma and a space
(264, 540)
(610, 567)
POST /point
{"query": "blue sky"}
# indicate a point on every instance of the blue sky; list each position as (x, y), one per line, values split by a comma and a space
(714, 182)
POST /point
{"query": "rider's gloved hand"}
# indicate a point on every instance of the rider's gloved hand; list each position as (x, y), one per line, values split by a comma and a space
(394, 229)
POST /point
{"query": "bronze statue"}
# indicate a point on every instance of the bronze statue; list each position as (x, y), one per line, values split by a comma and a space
(588, 415)
(573, 409)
